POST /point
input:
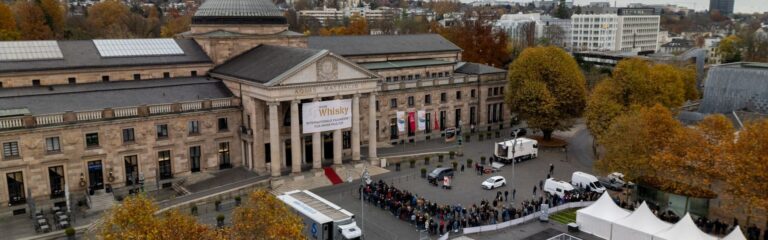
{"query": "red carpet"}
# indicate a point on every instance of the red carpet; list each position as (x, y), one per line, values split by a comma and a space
(331, 174)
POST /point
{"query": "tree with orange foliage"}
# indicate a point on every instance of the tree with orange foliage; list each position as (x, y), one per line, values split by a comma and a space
(357, 26)
(748, 169)
(107, 19)
(31, 21)
(55, 12)
(263, 216)
(175, 24)
(135, 218)
(480, 42)
(8, 29)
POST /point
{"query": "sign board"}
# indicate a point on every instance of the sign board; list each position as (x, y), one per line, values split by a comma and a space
(422, 120)
(400, 121)
(326, 115)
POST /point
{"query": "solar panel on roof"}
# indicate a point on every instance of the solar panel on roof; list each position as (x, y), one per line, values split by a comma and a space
(29, 50)
(138, 47)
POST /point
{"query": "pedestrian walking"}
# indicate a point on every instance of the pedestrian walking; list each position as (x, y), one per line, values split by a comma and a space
(549, 176)
(534, 190)
(551, 168)
(541, 184)
(506, 195)
(514, 191)
(462, 167)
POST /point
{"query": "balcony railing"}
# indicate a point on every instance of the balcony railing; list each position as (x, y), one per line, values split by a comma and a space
(428, 82)
(95, 115)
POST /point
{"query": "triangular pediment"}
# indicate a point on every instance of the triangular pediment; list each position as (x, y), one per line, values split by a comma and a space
(325, 68)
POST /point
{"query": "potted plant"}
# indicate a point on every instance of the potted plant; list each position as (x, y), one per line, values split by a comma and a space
(217, 204)
(452, 154)
(440, 157)
(70, 232)
(426, 160)
(193, 210)
(469, 162)
(220, 220)
(413, 162)
(482, 160)
(238, 200)
(423, 172)
(455, 166)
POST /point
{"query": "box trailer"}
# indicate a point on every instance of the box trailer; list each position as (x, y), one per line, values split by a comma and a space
(322, 219)
(518, 149)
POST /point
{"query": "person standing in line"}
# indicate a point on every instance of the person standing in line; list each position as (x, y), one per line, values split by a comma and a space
(506, 195)
(534, 190)
(551, 168)
(514, 191)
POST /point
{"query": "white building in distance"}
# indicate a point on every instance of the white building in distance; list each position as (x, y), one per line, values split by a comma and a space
(558, 31)
(630, 30)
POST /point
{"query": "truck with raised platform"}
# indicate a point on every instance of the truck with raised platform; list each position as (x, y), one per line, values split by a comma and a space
(518, 149)
(322, 219)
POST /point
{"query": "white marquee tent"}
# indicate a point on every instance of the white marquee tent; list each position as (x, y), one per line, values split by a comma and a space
(736, 234)
(640, 225)
(598, 218)
(684, 229)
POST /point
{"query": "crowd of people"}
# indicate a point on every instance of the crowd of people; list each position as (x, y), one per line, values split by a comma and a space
(441, 218)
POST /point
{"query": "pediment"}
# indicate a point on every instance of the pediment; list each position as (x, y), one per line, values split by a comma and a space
(328, 68)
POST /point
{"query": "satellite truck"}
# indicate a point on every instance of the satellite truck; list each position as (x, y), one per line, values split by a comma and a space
(518, 149)
(322, 219)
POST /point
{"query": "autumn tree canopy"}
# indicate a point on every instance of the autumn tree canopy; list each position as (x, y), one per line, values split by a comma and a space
(8, 30)
(357, 26)
(748, 167)
(31, 21)
(730, 49)
(641, 83)
(263, 216)
(480, 42)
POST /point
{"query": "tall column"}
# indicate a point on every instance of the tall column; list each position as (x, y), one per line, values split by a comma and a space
(258, 124)
(372, 129)
(337, 147)
(274, 139)
(356, 127)
(317, 154)
(295, 138)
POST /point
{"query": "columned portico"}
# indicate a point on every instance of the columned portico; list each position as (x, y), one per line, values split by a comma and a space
(289, 94)
(372, 129)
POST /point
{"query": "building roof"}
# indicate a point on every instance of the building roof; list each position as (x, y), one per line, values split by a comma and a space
(382, 44)
(94, 96)
(265, 62)
(404, 64)
(736, 86)
(476, 68)
(679, 43)
(238, 11)
(80, 54)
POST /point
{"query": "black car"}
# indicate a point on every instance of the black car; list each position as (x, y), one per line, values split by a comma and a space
(611, 184)
(520, 132)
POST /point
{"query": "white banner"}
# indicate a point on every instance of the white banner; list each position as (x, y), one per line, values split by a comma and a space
(400, 121)
(422, 122)
(326, 115)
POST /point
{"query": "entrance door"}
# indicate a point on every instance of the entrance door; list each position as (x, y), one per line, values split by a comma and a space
(328, 146)
(288, 153)
(308, 149)
(95, 175)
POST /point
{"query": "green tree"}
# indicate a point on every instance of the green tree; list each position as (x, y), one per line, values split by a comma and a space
(562, 11)
(730, 49)
(546, 88)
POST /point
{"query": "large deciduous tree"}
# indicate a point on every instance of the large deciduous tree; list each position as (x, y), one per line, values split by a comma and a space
(55, 14)
(263, 216)
(546, 88)
(108, 19)
(748, 178)
(638, 82)
(480, 42)
(730, 49)
(31, 21)
(8, 30)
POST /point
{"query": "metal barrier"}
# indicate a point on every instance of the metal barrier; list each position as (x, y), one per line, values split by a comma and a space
(518, 221)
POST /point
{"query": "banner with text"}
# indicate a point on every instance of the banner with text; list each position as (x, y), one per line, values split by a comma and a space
(326, 115)
(400, 121)
(422, 120)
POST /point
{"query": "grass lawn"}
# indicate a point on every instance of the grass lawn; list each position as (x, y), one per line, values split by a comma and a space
(565, 216)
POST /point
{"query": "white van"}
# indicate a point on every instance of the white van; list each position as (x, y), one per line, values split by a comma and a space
(555, 187)
(587, 181)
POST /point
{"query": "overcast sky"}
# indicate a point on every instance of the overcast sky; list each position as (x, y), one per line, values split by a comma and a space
(742, 6)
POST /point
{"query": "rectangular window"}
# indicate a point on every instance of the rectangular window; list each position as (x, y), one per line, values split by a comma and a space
(36, 82)
(162, 131)
(131, 169)
(193, 73)
(388, 79)
(427, 99)
(490, 92)
(393, 131)
(56, 180)
(136, 76)
(105, 78)
(473, 93)
(346, 139)
(377, 105)
(194, 127)
(410, 101)
(15, 181)
(495, 91)
(128, 135)
(472, 117)
(458, 95)
(223, 125)
(457, 118)
(166, 75)
(428, 124)
(92, 139)
(52, 144)
(164, 164)
(194, 158)
(442, 121)
(11, 150)
(224, 155)
(443, 97)
(501, 90)
(393, 103)
(72, 80)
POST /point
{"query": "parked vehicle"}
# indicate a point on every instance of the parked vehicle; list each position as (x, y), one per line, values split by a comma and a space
(611, 184)
(439, 173)
(322, 219)
(559, 188)
(517, 149)
(586, 181)
(619, 178)
(494, 182)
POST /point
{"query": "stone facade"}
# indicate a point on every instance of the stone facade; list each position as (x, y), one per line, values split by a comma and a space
(47, 78)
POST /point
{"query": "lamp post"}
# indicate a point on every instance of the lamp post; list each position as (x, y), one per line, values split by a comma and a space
(514, 143)
(364, 179)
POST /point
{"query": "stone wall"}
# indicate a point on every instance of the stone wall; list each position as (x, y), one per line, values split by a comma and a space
(58, 77)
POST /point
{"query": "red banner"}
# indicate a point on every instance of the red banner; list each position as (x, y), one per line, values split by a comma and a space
(437, 123)
(412, 121)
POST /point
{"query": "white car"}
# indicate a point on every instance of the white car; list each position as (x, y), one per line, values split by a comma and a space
(494, 182)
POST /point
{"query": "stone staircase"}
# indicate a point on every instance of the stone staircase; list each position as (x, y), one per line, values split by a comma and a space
(101, 201)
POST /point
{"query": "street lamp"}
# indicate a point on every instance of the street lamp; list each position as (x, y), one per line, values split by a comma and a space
(364, 179)
(514, 143)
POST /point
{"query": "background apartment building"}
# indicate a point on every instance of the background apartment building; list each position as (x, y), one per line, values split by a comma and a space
(630, 30)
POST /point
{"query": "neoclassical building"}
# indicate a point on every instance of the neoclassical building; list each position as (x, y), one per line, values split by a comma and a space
(231, 92)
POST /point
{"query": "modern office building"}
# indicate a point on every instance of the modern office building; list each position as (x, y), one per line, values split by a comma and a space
(725, 7)
(234, 91)
(630, 30)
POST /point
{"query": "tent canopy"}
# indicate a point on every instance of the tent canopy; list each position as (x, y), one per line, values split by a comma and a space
(605, 209)
(736, 234)
(643, 220)
(684, 229)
